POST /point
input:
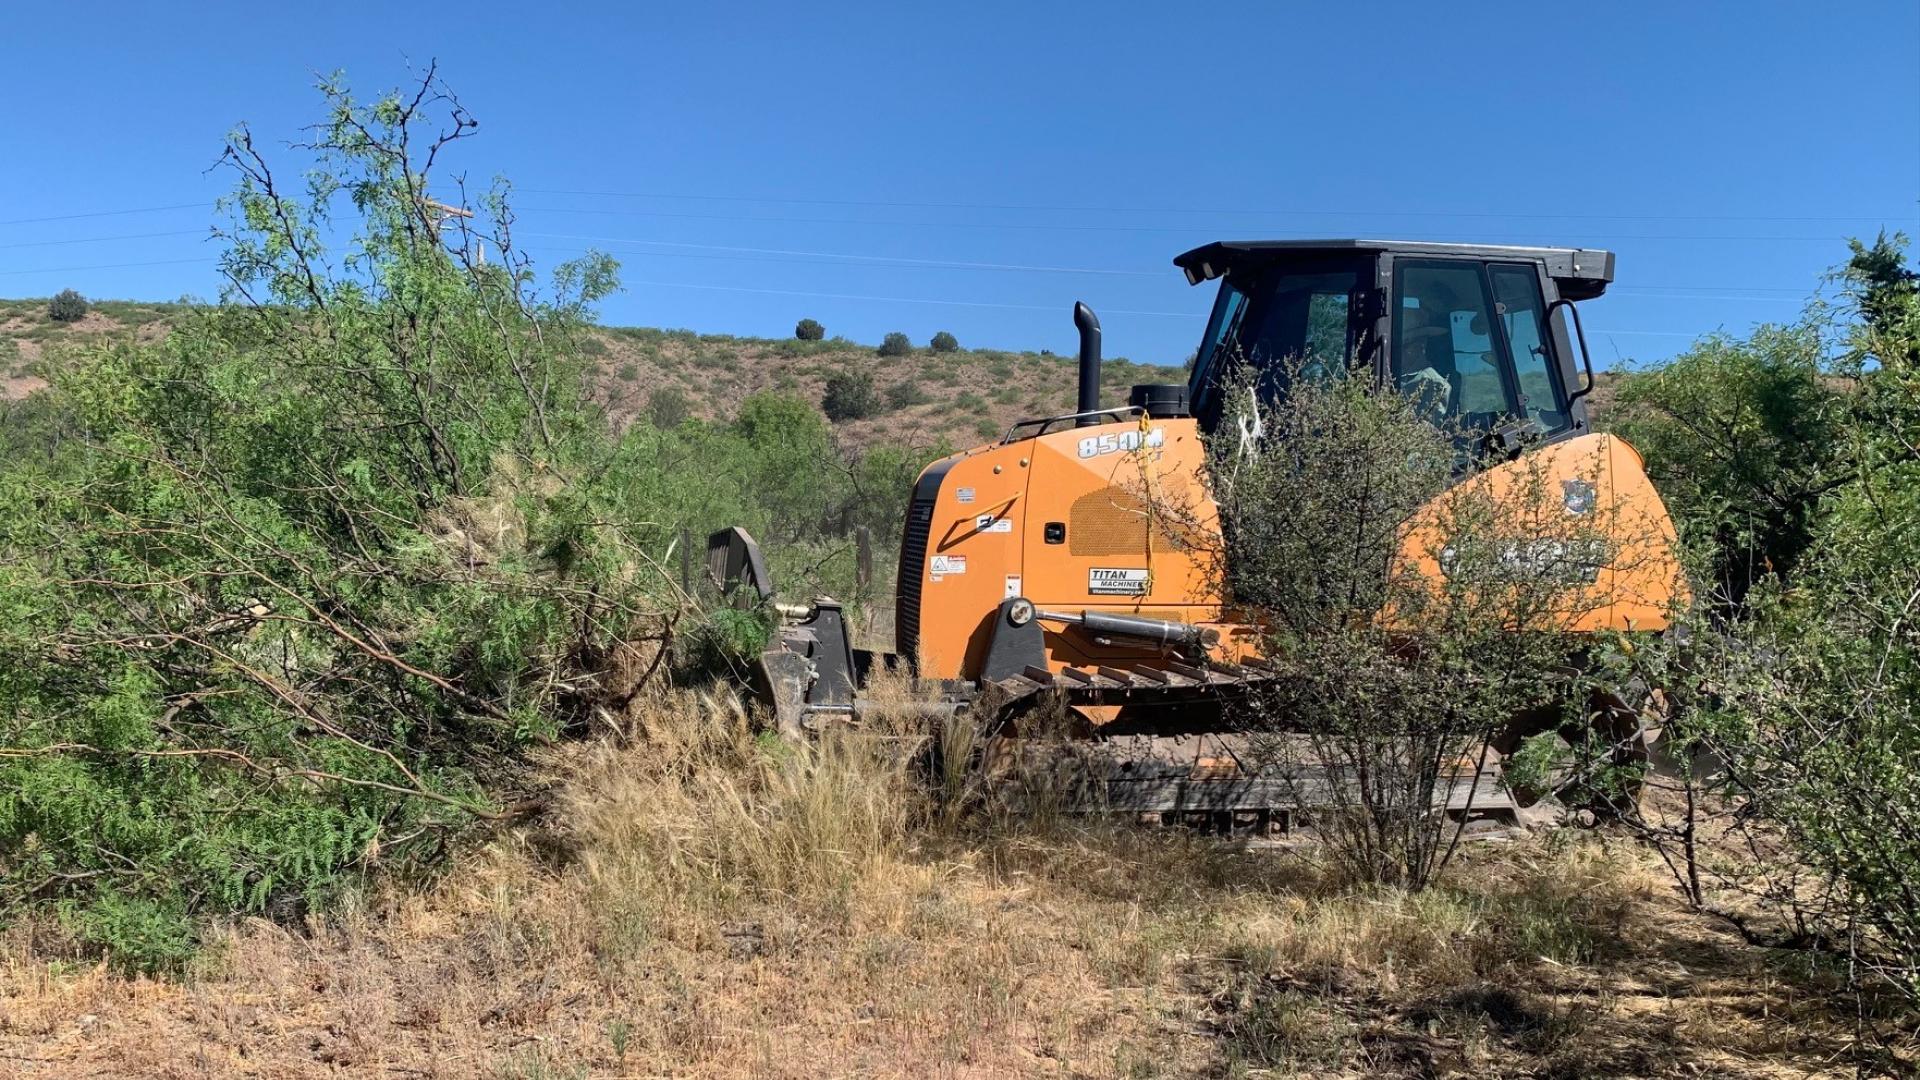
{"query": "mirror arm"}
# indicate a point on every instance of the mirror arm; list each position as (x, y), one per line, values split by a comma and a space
(1586, 358)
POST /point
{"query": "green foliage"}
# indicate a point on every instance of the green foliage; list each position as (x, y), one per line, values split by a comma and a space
(906, 394)
(1739, 436)
(67, 306)
(1387, 677)
(809, 330)
(1827, 684)
(284, 595)
(723, 644)
(850, 396)
(896, 344)
(668, 406)
(944, 342)
(1805, 694)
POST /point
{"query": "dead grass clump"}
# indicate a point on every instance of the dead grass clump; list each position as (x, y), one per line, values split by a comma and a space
(701, 814)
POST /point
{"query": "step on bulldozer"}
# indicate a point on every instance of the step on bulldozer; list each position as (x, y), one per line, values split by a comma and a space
(1030, 577)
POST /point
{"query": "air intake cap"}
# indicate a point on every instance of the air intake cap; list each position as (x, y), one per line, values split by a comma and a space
(1162, 401)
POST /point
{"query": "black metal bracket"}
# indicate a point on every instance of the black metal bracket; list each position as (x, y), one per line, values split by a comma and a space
(1013, 649)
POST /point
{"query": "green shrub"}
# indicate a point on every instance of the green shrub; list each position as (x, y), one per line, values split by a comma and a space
(668, 406)
(380, 581)
(944, 342)
(902, 395)
(809, 330)
(850, 396)
(896, 344)
(1740, 437)
(67, 306)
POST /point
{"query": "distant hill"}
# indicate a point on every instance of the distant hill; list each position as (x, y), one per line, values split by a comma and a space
(960, 397)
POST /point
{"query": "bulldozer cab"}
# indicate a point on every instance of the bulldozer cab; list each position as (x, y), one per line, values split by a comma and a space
(1477, 335)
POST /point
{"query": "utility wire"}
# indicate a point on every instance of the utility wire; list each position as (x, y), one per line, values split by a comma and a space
(104, 266)
(107, 213)
(103, 239)
(777, 255)
(937, 264)
(1270, 211)
(905, 299)
(1060, 227)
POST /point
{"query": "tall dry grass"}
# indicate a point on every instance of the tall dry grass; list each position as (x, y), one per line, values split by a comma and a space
(706, 901)
(700, 815)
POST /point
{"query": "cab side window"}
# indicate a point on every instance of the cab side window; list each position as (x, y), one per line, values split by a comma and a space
(1516, 291)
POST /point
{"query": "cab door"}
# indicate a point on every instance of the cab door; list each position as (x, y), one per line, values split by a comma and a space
(1472, 344)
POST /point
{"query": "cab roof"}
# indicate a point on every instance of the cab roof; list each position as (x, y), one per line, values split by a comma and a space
(1580, 273)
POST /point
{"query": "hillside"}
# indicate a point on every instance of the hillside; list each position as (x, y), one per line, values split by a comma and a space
(959, 397)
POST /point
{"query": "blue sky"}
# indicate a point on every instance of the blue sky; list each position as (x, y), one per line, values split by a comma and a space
(1723, 150)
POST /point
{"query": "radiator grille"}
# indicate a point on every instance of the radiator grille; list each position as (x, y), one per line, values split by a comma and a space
(1113, 521)
(913, 563)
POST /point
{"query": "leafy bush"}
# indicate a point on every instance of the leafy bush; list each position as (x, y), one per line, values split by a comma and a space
(1740, 436)
(668, 406)
(809, 330)
(1388, 675)
(67, 306)
(944, 342)
(896, 344)
(268, 620)
(1792, 712)
(850, 396)
(1823, 688)
(906, 394)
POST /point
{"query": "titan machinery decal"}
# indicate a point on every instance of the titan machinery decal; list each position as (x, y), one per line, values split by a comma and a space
(1107, 581)
(1095, 445)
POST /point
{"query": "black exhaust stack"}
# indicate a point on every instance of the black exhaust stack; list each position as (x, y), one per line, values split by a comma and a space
(1089, 326)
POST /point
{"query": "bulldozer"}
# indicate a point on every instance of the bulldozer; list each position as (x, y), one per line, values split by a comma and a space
(1031, 572)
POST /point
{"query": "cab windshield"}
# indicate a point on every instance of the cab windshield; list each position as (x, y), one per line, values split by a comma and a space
(1275, 323)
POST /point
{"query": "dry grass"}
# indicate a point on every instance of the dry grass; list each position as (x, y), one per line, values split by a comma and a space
(708, 903)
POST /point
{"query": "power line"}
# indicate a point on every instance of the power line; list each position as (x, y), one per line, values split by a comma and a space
(1649, 291)
(106, 213)
(1060, 227)
(1270, 211)
(103, 239)
(905, 299)
(938, 264)
(112, 266)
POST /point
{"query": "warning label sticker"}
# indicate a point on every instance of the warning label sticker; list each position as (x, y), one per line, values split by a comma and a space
(942, 565)
(988, 523)
(1104, 581)
(964, 495)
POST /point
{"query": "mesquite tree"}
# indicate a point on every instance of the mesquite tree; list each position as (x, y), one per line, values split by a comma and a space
(314, 569)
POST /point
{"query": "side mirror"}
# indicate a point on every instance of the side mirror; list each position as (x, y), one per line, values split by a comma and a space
(1586, 358)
